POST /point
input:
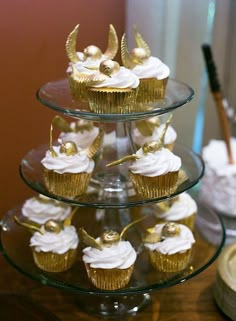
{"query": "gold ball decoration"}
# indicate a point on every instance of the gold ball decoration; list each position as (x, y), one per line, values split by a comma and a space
(110, 237)
(139, 55)
(109, 67)
(53, 226)
(92, 52)
(69, 148)
(151, 147)
(170, 229)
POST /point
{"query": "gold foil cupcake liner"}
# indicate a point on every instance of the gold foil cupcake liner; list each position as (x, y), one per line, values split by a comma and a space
(109, 279)
(54, 262)
(78, 89)
(152, 187)
(151, 90)
(67, 184)
(170, 263)
(112, 101)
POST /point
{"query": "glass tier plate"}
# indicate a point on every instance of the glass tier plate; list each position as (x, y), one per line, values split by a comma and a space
(56, 95)
(209, 235)
(109, 190)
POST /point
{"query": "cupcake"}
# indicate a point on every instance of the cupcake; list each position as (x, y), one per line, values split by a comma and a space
(151, 71)
(154, 169)
(169, 246)
(113, 89)
(67, 169)
(109, 260)
(87, 62)
(39, 209)
(81, 132)
(54, 245)
(181, 209)
(150, 130)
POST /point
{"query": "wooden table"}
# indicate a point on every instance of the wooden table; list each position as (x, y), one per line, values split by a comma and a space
(190, 301)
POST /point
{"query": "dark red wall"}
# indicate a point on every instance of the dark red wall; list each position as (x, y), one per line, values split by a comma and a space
(33, 35)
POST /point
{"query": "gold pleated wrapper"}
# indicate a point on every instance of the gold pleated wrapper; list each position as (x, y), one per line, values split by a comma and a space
(67, 184)
(170, 263)
(109, 279)
(187, 221)
(152, 187)
(54, 262)
(151, 90)
(112, 100)
(78, 89)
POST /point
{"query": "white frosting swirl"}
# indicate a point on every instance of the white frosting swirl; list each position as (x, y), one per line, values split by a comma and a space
(170, 135)
(218, 185)
(182, 207)
(154, 164)
(78, 163)
(119, 256)
(124, 78)
(41, 209)
(82, 138)
(174, 244)
(86, 66)
(57, 243)
(152, 68)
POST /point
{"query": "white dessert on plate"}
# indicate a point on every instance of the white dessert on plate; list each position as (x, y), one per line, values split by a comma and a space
(218, 185)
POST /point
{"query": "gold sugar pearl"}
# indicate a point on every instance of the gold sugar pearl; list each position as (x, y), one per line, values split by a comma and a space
(53, 226)
(69, 148)
(92, 52)
(109, 67)
(151, 147)
(139, 55)
(170, 229)
(110, 237)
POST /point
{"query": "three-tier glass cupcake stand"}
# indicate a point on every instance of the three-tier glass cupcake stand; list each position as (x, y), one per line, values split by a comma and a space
(110, 202)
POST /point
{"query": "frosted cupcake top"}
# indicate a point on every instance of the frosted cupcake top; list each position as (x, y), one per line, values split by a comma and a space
(140, 139)
(41, 209)
(111, 75)
(176, 243)
(152, 68)
(89, 59)
(62, 163)
(155, 163)
(140, 61)
(81, 134)
(182, 206)
(58, 243)
(118, 256)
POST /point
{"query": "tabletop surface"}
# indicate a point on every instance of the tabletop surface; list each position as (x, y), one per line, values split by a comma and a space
(192, 300)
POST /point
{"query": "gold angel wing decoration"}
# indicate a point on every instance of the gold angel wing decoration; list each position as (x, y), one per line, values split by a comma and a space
(71, 45)
(67, 221)
(52, 151)
(112, 45)
(61, 124)
(141, 43)
(122, 160)
(88, 240)
(125, 55)
(96, 144)
(30, 227)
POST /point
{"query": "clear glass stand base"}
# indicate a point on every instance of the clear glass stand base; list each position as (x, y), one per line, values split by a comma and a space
(113, 307)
